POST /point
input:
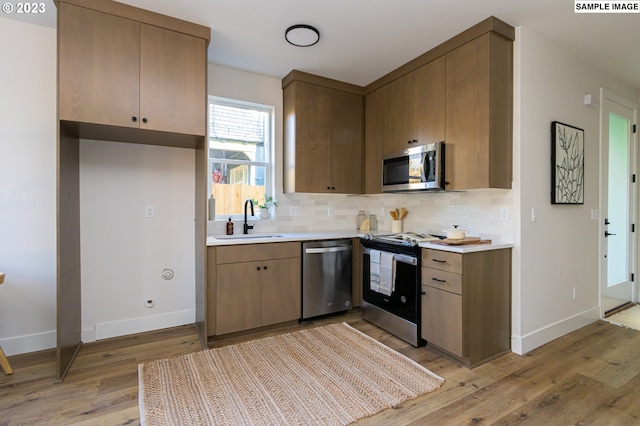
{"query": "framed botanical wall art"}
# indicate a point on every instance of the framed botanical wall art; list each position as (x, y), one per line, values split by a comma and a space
(567, 164)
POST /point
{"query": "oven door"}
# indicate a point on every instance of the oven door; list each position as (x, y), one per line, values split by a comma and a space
(403, 301)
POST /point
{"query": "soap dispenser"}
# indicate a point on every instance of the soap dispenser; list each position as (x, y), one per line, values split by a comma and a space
(229, 227)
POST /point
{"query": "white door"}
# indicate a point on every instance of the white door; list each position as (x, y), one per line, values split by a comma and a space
(618, 198)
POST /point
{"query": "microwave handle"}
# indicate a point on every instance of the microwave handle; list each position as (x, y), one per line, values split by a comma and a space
(423, 176)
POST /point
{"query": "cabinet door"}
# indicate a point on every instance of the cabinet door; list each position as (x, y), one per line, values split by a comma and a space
(238, 299)
(313, 138)
(400, 114)
(346, 142)
(429, 102)
(172, 81)
(98, 67)
(467, 115)
(281, 291)
(442, 320)
(375, 139)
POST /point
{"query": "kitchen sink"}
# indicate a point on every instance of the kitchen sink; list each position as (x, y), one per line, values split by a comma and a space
(246, 236)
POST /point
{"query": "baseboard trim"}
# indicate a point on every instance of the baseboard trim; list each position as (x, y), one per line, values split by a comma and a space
(107, 330)
(528, 342)
(29, 343)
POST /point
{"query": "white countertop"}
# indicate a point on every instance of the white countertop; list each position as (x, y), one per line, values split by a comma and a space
(281, 237)
(278, 237)
(467, 248)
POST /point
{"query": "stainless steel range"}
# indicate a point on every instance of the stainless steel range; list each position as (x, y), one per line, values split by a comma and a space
(391, 283)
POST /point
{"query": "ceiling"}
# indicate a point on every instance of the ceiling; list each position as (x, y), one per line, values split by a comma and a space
(361, 40)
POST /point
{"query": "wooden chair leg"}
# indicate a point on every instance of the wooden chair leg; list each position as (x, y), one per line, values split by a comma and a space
(4, 362)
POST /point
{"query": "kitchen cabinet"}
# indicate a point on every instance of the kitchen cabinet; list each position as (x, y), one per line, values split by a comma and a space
(466, 303)
(253, 286)
(116, 71)
(478, 129)
(117, 62)
(323, 138)
(375, 137)
(416, 107)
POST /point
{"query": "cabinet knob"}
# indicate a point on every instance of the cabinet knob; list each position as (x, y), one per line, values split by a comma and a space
(134, 118)
(264, 267)
(258, 268)
(423, 293)
(144, 119)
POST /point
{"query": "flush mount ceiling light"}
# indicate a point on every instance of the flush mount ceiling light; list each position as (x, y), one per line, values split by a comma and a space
(302, 35)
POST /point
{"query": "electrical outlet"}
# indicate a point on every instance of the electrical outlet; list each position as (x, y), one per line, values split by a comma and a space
(148, 211)
(504, 213)
(330, 211)
(294, 211)
(381, 211)
(575, 293)
(534, 215)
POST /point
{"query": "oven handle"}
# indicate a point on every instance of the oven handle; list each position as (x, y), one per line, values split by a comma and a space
(398, 257)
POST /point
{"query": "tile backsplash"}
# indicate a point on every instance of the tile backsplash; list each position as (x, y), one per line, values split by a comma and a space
(487, 213)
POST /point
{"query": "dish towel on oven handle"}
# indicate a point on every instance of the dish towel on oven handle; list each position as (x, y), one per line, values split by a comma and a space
(386, 285)
(374, 269)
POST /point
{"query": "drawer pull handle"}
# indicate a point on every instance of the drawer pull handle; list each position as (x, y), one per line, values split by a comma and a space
(439, 261)
(438, 280)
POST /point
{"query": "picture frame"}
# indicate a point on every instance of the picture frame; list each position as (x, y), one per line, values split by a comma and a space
(567, 164)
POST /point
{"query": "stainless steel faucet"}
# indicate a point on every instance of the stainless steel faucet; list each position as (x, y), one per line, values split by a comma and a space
(246, 226)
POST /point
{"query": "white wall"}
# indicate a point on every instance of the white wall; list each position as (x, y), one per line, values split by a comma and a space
(27, 186)
(560, 250)
(123, 252)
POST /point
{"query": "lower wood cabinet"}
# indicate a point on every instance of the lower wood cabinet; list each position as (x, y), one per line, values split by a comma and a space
(466, 303)
(253, 285)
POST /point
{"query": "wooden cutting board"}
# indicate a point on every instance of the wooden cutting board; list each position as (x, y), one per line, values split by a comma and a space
(466, 240)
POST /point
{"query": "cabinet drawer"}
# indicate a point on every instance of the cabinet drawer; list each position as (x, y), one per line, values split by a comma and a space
(253, 252)
(444, 280)
(443, 260)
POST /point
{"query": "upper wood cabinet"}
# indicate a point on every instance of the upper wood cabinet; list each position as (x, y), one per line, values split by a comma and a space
(323, 138)
(416, 107)
(375, 137)
(117, 71)
(479, 114)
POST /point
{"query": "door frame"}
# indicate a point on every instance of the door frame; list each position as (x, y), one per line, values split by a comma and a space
(602, 276)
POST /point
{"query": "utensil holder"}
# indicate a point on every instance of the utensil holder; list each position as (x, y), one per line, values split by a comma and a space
(396, 226)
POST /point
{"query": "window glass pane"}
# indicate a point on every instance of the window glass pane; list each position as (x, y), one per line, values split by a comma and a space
(236, 151)
(232, 184)
(239, 147)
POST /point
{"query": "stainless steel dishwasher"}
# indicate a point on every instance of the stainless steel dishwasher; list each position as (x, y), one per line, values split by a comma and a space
(326, 277)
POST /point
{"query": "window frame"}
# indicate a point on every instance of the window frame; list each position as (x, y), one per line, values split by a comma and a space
(269, 150)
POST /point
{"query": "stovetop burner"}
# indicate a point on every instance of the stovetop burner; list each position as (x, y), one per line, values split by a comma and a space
(403, 239)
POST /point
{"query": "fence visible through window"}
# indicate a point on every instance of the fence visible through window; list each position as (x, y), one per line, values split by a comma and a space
(240, 145)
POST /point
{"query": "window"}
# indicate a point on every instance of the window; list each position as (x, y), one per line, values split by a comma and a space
(240, 152)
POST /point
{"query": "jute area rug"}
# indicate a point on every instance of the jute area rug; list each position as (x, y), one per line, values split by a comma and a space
(629, 318)
(330, 375)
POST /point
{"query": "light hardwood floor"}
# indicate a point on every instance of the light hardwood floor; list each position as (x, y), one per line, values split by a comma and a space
(591, 376)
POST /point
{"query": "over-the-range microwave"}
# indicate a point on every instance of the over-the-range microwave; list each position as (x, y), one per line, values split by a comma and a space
(418, 168)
